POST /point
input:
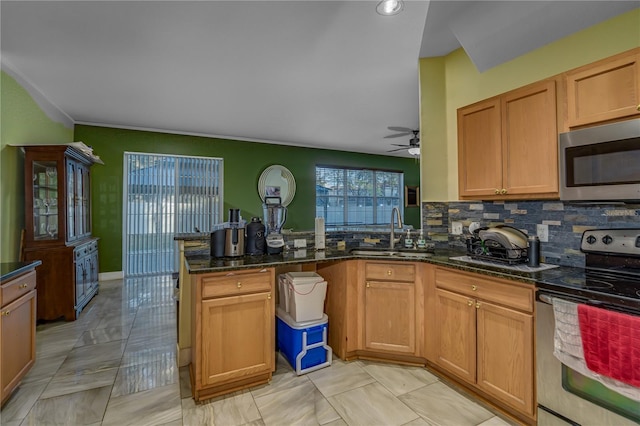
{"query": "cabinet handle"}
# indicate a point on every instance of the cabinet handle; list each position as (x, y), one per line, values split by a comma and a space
(470, 302)
(239, 284)
(5, 313)
(368, 285)
(503, 191)
(389, 272)
(497, 192)
(477, 305)
(25, 285)
(474, 287)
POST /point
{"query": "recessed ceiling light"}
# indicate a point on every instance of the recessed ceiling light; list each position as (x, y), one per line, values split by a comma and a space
(389, 7)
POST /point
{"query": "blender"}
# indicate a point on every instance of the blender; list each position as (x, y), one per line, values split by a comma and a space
(275, 215)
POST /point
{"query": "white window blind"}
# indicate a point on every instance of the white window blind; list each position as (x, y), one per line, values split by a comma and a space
(165, 195)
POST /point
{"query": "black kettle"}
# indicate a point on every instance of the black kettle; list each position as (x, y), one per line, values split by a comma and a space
(255, 237)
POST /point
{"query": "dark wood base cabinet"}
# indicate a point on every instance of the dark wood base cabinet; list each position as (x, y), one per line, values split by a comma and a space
(67, 279)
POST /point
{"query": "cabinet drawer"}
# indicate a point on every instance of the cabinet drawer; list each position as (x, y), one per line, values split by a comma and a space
(503, 292)
(85, 249)
(15, 288)
(234, 284)
(390, 271)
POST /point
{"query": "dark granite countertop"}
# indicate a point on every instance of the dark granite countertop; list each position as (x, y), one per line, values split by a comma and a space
(560, 280)
(9, 270)
(200, 263)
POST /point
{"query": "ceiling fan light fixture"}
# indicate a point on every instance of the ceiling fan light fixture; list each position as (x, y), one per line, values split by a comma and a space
(414, 151)
(390, 7)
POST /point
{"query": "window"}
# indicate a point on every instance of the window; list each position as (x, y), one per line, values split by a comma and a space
(357, 196)
(165, 195)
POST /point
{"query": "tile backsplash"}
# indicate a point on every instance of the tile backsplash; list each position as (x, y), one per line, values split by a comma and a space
(566, 222)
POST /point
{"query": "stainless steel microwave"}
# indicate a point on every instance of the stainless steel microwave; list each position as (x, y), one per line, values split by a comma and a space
(601, 163)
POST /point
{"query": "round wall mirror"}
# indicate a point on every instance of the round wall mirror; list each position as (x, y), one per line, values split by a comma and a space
(277, 181)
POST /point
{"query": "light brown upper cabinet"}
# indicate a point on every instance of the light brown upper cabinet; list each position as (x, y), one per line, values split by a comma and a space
(507, 145)
(604, 91)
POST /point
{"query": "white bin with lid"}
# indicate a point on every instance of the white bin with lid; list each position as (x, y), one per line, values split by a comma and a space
(307, 292)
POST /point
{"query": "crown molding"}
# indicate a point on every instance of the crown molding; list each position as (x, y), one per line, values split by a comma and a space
(53, 111)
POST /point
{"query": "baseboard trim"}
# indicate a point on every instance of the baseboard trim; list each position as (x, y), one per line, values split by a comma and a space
(107, 276)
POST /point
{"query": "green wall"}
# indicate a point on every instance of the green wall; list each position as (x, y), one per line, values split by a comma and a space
(243, 164)
(450, 82)
(22, 122)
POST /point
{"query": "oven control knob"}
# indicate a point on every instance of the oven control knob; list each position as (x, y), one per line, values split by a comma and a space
(607, 239)
(591, 239)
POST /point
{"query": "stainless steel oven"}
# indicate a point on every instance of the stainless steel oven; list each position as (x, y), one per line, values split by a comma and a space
(611, 280)
(601, 162)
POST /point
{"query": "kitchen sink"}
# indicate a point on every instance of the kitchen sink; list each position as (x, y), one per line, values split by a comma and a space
(391, 253)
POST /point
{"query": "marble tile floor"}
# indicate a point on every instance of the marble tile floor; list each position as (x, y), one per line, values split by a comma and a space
(116, 365)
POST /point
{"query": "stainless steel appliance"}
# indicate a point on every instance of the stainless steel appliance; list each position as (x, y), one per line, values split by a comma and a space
(601, 163)
(611, 280)
(234, 235)
(275, 215)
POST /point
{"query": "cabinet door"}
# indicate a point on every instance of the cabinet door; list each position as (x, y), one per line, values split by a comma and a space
(18, 341)
(456, 334)
(530, 140)
(83, 204)
(604, 91)
(238, 337)
(72, 200)
(93, 271)
(80, 279)
(479, 149)
(389, 317)
(505, 355)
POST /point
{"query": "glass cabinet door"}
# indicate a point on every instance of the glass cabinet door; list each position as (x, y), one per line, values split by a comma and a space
(45, 200)
(72, 233)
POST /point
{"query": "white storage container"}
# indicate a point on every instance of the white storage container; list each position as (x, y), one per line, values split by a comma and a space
(283, 293)
(306, 296)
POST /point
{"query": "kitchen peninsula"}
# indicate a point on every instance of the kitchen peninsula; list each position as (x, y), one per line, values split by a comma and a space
(379, 307)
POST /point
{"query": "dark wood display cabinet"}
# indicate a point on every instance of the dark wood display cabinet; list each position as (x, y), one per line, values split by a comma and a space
(58, 228)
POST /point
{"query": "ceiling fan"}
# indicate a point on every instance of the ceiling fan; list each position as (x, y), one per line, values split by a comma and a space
(414, 142)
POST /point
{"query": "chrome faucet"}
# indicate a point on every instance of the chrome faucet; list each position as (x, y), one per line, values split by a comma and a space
(392, 236)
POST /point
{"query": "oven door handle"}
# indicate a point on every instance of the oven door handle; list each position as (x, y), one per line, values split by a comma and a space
(547, 298)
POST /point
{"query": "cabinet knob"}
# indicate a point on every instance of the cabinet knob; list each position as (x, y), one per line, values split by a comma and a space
(474, 287)
(638, 108)
(389, 272)
(497, 192)
(269, 296)
(239, 284)
(5, 313)
(368, 285)
(477, 305)
(470, 302)
(25, 285)
(503, 191)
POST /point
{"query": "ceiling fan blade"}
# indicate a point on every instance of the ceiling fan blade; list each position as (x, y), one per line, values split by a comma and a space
(399, 149)
(396, 144)
(396, 135)
(400, 129)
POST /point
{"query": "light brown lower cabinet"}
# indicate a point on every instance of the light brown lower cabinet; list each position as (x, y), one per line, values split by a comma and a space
(17, 331)
(484, 335)
(234, 331)
(375, 309)
(388, 308)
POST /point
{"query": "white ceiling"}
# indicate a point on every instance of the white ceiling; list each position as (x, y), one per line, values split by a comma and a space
(325, 74)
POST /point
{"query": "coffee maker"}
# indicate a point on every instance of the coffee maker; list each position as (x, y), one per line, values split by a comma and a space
(275, 215)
